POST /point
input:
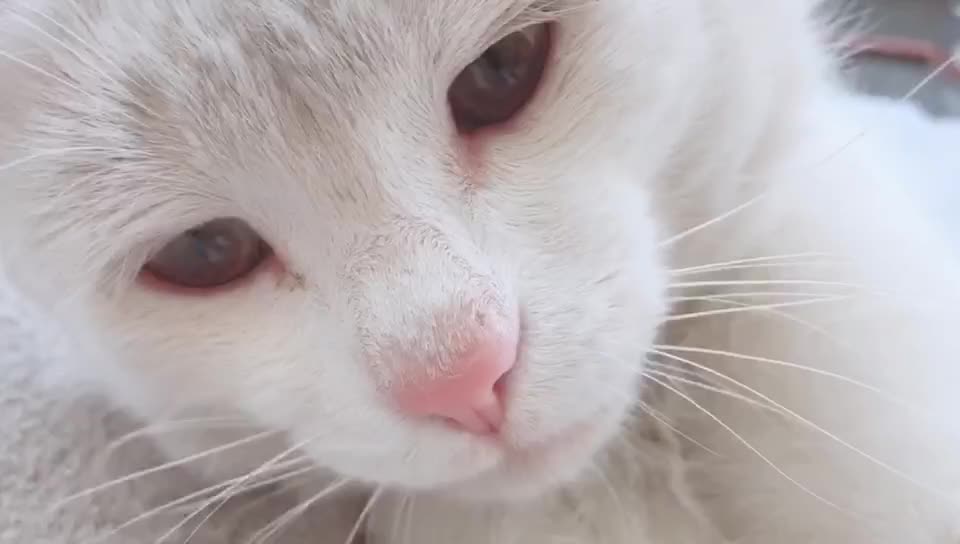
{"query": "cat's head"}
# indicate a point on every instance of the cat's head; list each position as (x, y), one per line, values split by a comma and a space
(422, 237)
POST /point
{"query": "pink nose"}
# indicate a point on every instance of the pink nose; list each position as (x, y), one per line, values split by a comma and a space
(470, 395)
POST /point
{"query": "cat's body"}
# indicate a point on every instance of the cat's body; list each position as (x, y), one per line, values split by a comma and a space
(833, 209)
(403, 243)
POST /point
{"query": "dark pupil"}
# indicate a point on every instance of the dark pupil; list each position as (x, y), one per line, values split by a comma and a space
(503, 65)
(497, 85)
(210, 247)
(212, 254)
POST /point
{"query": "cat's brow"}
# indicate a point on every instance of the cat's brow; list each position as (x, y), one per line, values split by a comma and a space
(516, 14)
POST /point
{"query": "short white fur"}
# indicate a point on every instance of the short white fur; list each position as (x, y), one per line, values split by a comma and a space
(323, 124)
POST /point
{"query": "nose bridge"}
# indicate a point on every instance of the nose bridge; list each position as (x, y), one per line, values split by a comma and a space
(423, 300)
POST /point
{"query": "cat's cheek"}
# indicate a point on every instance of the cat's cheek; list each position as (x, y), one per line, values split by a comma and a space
(271, 269)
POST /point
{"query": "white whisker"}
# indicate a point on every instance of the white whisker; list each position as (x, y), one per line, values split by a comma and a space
(734, 283)
(713, 389)
(661, 419)
(930, 77)
(793, 414)
(824, 160)
(398, 517)
(747, 444)
(682, 371)
(202, 493)
(291, 515)
(725, 297)
(756, 307)
(612, 491)
(752, 260)
(160, 468)
(224, 496)
(709, 223)
(811, 327)
(163, 427)
(285, 488)
(408, 528)
(363, 515)
(786, 364)
(757, 266)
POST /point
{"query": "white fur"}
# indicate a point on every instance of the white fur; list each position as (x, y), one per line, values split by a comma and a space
(323, 124)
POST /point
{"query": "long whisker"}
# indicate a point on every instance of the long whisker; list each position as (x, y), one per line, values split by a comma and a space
(841, 344)
(160, 468)
(747, 444)
(289, 516)
(398, 516)
(163, 427)
(692, 375)
(752, 260)
(689, 372)
(786, 364)
(709, 223)
(793, 414)
(612, 491)
(945, 65)
(638, 402)
(683, 372)
(757, 266)
(906, 97)
(712, 389)
(287, 486)
(377, 493)
(734, 283)
(756, 307)
(730, 300)
(725, 297)
(408, 528)
(826, 159)
(224, 496)
(661, 419)
(187, 499)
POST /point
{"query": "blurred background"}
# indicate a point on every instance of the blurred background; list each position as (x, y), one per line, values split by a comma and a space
(903, 31)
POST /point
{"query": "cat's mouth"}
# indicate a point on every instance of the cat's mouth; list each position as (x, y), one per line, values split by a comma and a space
(529, 470)
(553, 445)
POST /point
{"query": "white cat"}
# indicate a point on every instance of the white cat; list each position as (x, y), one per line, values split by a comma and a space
(432, 244)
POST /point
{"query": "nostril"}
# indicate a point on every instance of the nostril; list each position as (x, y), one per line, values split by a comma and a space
(500, 386)
(470, 394)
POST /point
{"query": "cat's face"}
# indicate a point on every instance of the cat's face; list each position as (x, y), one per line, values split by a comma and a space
(399, 235)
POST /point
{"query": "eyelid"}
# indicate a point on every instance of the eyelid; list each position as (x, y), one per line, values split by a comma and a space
(209, 255)
(519, 15)
(270, 265)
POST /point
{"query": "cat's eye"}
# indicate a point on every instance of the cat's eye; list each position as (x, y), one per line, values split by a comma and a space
(498, 85)
(210, 255)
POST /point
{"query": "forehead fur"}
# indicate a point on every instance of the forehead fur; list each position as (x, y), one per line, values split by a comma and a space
(317, 53)
(168, 102)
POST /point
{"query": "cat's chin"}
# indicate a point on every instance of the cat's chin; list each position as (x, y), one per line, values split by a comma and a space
(528, 472)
